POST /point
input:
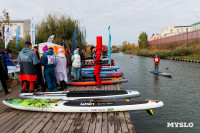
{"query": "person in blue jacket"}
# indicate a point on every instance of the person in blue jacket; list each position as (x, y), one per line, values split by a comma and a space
(9, 61)
(48, 61)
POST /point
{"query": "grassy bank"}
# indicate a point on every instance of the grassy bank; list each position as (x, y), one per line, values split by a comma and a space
(171, 50)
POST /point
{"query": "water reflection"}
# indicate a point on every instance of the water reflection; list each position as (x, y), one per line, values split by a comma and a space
(156, 82)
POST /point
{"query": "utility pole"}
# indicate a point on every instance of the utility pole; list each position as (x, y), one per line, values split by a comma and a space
(187, 37)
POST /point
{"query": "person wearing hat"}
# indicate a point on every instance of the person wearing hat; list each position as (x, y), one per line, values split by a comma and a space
(48, 61)
(61, 70)
(51, 49)
(27, 60)
(156, 61)
(40, 80)
(76, 64)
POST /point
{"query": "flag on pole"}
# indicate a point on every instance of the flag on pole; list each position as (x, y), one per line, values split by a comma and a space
(17, 35)
(51, 38)
(32, 28)
(109, 46)
(74, 40)
(8, 35)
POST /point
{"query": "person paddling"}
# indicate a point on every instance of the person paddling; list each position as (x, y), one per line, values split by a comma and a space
(156, 61)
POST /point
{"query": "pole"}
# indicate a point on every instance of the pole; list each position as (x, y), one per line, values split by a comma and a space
(187, 37)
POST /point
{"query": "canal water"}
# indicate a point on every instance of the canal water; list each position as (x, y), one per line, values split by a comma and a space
(180, 94)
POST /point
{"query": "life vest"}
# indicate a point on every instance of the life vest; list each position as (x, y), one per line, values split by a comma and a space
(156, 60)
(77, 61)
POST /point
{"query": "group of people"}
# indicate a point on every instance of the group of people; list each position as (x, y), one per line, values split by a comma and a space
(57, 67)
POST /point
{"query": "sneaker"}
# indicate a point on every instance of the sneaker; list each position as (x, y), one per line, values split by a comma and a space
(23, 91)
(96, 88)
(30, 91)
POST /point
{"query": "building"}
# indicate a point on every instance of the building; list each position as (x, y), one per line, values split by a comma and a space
(174, 30)
(155, 37)
(196, 26)
(24, 27)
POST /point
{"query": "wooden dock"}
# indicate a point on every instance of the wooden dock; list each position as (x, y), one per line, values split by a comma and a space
(18, 121)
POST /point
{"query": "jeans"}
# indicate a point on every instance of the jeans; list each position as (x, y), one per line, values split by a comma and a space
(76, 72)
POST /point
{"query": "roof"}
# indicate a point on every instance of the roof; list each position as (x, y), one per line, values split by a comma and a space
(17, 20)
(183, 26)
(196, 23)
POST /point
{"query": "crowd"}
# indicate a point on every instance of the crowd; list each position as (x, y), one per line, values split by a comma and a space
(55, 68)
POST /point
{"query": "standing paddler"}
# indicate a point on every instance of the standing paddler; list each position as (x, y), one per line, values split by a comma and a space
(156, 61)
(98, 63)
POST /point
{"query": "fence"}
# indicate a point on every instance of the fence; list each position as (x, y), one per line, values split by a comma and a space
(176, 38)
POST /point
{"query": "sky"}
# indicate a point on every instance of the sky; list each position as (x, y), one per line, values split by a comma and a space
(127, 18)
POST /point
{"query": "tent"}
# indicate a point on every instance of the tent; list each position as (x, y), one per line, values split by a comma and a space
(53, 45)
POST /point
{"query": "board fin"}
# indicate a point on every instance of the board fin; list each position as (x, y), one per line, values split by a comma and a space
(150, 112)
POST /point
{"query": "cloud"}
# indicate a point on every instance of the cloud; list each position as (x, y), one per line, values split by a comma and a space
(127, 18)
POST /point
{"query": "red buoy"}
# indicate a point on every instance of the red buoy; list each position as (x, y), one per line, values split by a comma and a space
(131, 57)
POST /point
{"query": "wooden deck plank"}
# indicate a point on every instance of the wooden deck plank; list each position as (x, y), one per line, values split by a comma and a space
(69, 122)
(123, 122)
(111, 122)
(42, 123)
(74, 123)
(105, 123)
(80, 123)
(26, 125)
(9, 116)
(50, 123)
(10, 123)
(92, 123)
(129, 122)
(98, 128)
(117, 128)
(61, 122)
(87, 123)
(35, 123)
(22, 122)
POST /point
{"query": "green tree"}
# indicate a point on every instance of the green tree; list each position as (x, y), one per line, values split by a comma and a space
(62, 26)
(143, 40)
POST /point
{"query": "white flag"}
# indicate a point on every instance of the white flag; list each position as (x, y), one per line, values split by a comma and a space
(51, 38)
(32, 28)
(8, 34)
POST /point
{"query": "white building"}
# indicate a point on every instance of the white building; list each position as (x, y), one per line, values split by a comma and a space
(174, 30)
(24, 27)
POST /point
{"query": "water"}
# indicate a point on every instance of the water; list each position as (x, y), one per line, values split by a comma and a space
(180, 94)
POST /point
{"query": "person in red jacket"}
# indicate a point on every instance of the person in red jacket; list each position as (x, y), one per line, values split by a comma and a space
(98, 63)
(156, 61)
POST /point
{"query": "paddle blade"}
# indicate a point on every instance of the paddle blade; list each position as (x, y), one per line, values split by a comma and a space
(150, 112)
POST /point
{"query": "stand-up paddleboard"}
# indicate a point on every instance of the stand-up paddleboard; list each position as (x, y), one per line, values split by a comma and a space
(109, 75)
(74, 95)
(92, 82)
(161, 73)
(92, 65)
(55, 105)
(102, 72)
(102, 69)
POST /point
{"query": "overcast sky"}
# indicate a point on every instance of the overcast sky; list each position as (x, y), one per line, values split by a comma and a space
(127, 18)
